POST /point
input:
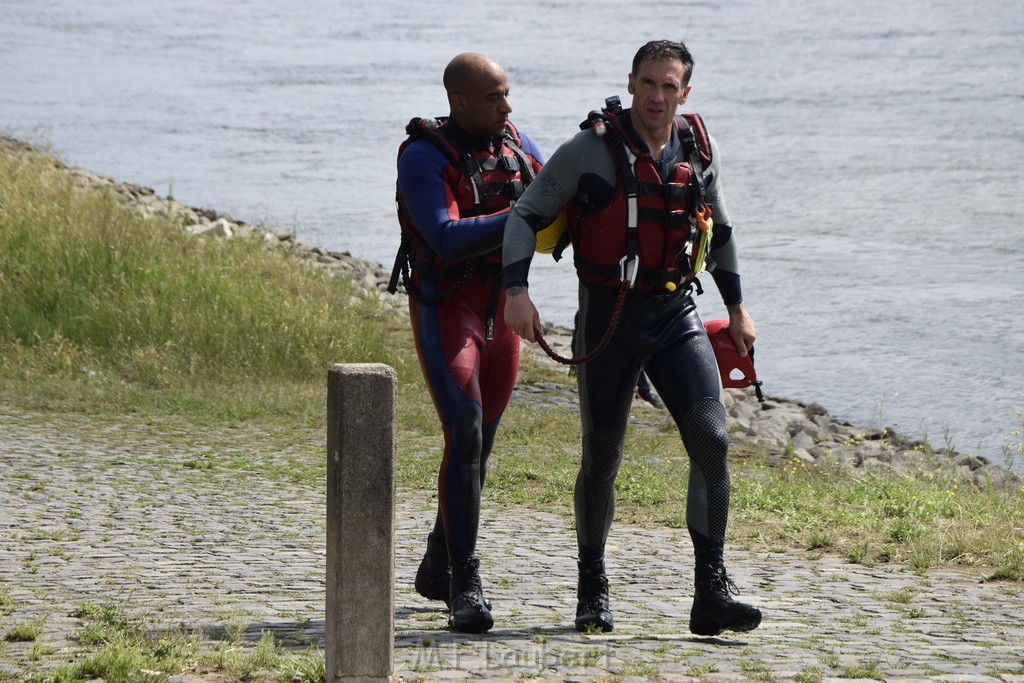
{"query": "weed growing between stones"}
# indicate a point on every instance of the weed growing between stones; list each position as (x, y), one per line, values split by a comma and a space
(129, 648)
(24, 632)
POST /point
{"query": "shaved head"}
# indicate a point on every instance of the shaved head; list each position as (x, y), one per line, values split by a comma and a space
(477, 90)
(466, 70)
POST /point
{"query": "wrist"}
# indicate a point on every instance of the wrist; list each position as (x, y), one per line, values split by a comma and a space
(515, 290)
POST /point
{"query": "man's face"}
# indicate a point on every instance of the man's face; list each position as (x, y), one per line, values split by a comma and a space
(657, 89)
(483, 108)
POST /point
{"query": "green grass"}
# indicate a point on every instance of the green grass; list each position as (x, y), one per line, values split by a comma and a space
(127, 650)
(104, 307)
(24, 632)
(6, 603)
(809, 674)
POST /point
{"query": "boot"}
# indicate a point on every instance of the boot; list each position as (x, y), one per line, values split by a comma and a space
(714, 610)
(432, 574)
(469, 611)
(592, 594)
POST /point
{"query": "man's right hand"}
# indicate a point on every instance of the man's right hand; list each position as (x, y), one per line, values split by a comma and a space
(521, 315)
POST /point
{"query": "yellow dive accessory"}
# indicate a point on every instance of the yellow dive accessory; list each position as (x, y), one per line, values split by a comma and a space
(705, 226)
(547, 239)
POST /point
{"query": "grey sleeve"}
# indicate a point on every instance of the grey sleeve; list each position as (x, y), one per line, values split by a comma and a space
(554, 186)
(725, 255)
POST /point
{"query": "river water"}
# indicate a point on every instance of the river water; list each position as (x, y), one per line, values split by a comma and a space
(873, 155)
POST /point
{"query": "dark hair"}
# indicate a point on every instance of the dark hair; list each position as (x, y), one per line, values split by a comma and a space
(665, 50)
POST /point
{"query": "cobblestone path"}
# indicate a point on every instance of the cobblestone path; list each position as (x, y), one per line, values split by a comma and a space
(177, 528)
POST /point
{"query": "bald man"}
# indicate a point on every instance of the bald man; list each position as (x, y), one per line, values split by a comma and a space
(456, 178)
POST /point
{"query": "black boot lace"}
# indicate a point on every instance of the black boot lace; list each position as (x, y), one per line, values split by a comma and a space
(471, 587)
(720, 583)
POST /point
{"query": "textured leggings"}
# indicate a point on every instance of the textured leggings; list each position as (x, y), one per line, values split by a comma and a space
(663, 335)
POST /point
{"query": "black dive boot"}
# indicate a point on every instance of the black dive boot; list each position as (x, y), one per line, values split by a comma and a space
(469, 609)
(432, 574)
(714, 610)
(592, 592)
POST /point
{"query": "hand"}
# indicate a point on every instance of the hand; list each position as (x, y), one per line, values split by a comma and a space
(521, 315)
(741, 329)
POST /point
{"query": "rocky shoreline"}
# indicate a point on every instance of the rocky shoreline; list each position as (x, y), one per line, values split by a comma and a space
(791, 429)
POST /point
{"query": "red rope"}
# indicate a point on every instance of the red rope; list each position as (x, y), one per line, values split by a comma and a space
(613, 322)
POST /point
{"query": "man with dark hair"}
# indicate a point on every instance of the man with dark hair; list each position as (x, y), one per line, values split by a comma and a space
(642, 194)
(456, 178)
(665, 50)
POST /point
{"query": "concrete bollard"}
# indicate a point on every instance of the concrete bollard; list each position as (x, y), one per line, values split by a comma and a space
(360, 619)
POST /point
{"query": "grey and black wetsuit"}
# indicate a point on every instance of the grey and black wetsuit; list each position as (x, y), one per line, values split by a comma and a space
(658, 332)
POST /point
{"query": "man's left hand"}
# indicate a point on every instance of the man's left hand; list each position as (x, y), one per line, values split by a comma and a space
(741, 329)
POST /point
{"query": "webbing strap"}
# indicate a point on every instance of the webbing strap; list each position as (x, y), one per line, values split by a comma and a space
(626, 160)
(476, 180)
(524, 166)
(689, 141)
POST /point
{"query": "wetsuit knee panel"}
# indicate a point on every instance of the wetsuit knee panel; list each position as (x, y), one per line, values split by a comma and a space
(704, 435)
(602, 451)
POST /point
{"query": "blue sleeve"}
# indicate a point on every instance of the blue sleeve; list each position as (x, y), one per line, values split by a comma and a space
(432, 207)
(531, 149)
(431, 204)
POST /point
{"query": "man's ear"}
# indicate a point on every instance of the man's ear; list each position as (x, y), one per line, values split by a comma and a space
(685, 93)
(458, 102)
(629, 85)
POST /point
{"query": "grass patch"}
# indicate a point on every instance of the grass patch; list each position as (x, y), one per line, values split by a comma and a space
(106, 307)
(865, 670)
(268, 660)
(6, 602)
(803, 506)
(24, 632)
(127, 650)
(809, 674)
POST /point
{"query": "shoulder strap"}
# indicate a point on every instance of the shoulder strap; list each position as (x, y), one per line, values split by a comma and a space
(688, 139)
(429, 129)
(690, 127)
(606, 124)
(513, 141)
(626, 153)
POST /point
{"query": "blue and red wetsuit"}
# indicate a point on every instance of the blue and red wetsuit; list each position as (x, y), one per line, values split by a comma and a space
(454, 190)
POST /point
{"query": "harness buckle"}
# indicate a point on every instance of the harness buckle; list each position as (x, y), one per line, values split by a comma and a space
(630, 266)
(704, 221)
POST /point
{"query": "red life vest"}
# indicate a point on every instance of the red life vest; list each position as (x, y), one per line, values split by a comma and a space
(665, 221)
(484, 182)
